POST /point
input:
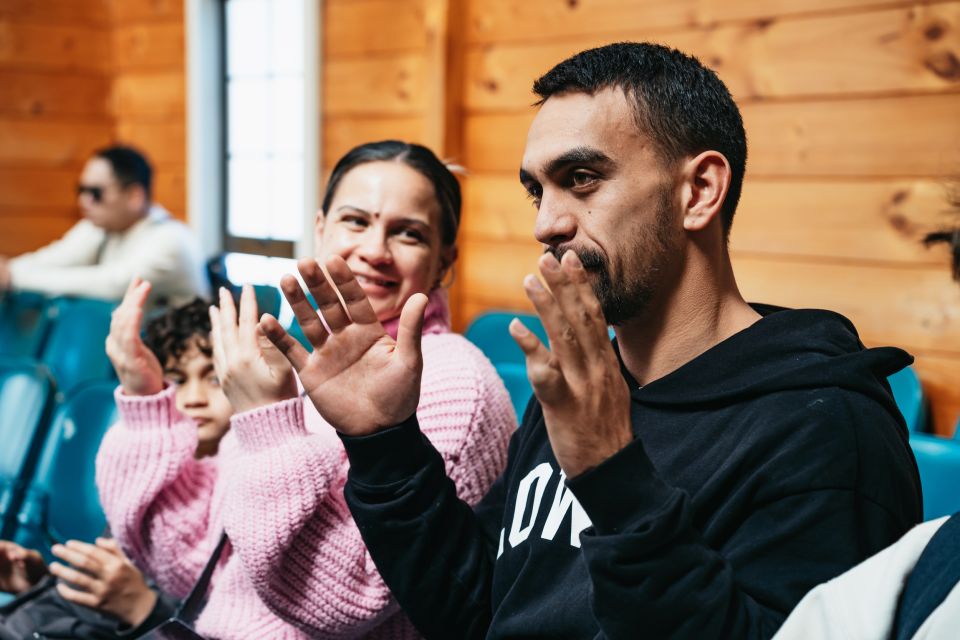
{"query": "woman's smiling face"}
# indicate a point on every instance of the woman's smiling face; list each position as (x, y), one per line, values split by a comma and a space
(384, 221)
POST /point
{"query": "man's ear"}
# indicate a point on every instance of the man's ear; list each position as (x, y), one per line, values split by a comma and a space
(707, 179)
(136, 196)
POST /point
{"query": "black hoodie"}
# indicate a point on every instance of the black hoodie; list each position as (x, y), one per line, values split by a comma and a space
(770, 463)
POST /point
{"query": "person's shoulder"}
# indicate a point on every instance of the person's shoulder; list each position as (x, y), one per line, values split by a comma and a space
(455, 367)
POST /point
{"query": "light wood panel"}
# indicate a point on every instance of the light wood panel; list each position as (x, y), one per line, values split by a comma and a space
(139, 11)
(899, 50)
(170, 189)
(41, 187)
(149, 46)
(27, 233)
(73, 12)
(150, 96)
(391, 85)
(340, 134)
(29, 47)
(508, 21)
(816, 138)
(41, 94)
(164, 142)
(53, 144)
(359, 27)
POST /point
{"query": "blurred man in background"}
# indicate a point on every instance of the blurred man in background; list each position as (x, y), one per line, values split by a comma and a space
(123, 234)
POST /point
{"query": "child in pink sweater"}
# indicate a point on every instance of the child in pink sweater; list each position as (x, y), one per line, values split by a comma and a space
(296, 566)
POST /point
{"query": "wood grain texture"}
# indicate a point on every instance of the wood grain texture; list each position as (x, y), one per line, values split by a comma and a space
(133, 11)
(70, 12)
(359, 27)
(939, 375)
(53, 94)
(509, 21)
(149, 46)
(41, 187)
(150, 96)
(163, 141)
(899, 50)
(26, 232)
(31, 47)
(852, 138)
(26, 143)
(393, 85)
(340, 134)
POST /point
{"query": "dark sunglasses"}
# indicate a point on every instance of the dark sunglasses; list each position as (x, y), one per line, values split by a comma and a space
(95, 192)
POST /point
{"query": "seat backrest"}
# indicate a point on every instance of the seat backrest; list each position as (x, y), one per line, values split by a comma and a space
(489, 331)
(75, 352)
(514, 377)
(25, 319)
(61, 500)
(938, 460)
(26, 396)
(908, 394)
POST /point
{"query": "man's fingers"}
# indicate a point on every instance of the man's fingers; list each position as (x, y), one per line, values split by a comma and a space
(545, 378)
(307, 317)
(292, 350)
(358, 305)
(581, 308)
(328, 303)
(410, 329)
(563, 339)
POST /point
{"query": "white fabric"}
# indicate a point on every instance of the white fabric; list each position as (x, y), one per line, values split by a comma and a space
(861, 603)
(158, 248)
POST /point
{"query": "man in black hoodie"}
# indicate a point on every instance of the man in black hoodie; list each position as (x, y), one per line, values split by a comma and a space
(692, 480)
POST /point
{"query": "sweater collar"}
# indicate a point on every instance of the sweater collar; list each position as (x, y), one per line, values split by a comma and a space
(436, 317)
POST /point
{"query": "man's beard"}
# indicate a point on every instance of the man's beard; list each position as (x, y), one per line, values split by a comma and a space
(624, 300)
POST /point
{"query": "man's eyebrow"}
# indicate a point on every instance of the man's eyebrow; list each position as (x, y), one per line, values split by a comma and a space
(578, 155)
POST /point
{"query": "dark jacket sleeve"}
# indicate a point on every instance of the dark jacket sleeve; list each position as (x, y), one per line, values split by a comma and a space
(652, 569)
(431, 549)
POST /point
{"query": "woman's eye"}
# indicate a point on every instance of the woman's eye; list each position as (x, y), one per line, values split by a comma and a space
(355, 222)
(412, 235)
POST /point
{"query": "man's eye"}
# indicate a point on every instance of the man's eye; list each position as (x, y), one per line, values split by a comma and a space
(582, 179)
(534, 194)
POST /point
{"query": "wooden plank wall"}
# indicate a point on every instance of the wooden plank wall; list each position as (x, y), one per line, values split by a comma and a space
(852, 110)
(75, 76)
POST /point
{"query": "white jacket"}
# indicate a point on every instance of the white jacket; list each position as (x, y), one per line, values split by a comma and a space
(158, 248)
(861, 604)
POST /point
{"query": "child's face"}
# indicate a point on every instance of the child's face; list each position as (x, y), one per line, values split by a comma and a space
(200, 397)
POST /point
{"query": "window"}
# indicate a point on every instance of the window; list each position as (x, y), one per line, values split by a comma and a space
(269, 183)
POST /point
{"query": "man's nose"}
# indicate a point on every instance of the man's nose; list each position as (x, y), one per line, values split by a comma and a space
(556, 222)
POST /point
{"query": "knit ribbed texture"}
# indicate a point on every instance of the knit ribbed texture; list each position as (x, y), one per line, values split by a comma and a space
(296, 566)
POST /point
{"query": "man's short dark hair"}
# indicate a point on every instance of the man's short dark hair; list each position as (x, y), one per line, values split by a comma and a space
(682, 105)
(129, 166)
(950, 236)
(170, 335)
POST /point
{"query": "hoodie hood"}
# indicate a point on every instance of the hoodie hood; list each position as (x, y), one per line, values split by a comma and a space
(786, 349)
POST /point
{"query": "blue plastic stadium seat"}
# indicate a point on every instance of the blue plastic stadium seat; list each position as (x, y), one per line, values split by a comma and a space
(74, 351)
(61, 500)
(515, 379)
(26, 396)
(25, 319)
(939, 462)
(908, 393)
(489, 331)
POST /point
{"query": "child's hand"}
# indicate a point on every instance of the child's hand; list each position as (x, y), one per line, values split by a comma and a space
(103, 578)
(137, 368)
(20, 569)
(252, 372)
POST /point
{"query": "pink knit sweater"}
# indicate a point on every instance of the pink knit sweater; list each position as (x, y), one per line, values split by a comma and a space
(296, 566)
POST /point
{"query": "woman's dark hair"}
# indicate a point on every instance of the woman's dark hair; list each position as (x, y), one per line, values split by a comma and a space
(170, 335)
(417, 157)
(949, 236)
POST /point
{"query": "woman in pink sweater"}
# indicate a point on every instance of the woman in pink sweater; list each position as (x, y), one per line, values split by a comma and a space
(296, 566)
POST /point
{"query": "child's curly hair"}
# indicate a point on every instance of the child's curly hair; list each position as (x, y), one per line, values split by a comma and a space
(170, 335)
